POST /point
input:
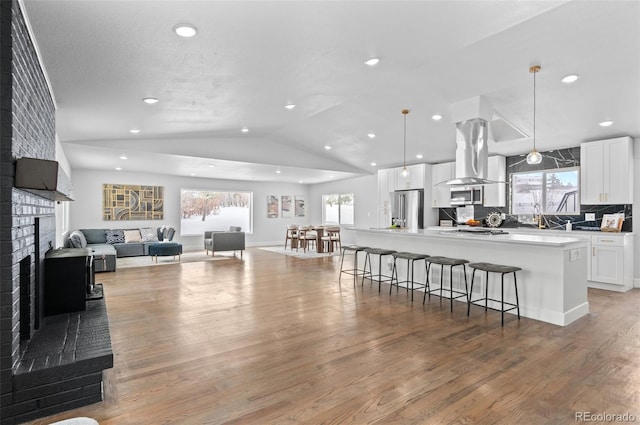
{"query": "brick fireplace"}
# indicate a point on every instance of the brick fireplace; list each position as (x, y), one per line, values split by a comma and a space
(54, 368)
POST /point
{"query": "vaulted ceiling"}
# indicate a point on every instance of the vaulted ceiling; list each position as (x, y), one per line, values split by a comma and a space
(249, 59)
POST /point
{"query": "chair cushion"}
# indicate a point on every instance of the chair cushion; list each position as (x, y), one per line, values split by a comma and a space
(115, 236)
(494, 268)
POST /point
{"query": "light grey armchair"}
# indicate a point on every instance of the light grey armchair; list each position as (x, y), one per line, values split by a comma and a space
(231, 240)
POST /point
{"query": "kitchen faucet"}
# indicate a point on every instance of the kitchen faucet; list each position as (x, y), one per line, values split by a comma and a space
(537, 211)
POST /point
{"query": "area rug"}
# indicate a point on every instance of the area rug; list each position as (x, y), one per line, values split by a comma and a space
(187, 257)
(300, 254)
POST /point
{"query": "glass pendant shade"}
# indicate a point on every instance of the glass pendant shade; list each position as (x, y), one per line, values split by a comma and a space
(534, 157)
(405, 172)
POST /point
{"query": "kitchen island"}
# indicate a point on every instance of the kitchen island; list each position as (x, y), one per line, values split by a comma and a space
(552, 285)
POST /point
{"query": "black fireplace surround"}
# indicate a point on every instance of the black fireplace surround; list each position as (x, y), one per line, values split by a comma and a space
(48, 364)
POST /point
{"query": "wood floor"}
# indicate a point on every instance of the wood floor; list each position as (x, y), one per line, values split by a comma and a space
(273, 339)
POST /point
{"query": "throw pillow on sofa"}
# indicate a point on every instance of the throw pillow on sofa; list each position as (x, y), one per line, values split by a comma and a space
(115, 236)
(149, 234)
(77, 239)
(132, 236)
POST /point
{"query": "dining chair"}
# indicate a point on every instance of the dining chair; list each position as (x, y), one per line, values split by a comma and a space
(332, 238)
(292, 235)
(306, 237)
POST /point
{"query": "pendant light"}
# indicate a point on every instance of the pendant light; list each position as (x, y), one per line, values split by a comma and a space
(405, 172)
(534, 156)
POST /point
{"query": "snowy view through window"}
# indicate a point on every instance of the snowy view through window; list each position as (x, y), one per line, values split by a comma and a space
(202, 210)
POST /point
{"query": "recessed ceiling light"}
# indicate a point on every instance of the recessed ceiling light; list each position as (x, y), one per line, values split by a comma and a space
(278, 171)
(134, 131)
(373, 164)
(245, 130)
(192, 174)
(419, 156)
(372, 61)
(300, 181)
(327, 147)
(118, 168)
(124, 157)
(290, 106)
(150, 100)
(605, 123)
(436, 117)
(185, 30)
(212, 165)
(571, 78)
(371, 135)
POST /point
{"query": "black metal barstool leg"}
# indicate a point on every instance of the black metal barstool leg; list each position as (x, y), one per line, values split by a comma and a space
(502, 296)
(486, 291)
(451, 287)
(412, 263)
(380, 274)
(515, 284)
(466, 289)
(473, 276)
(341, 262)
(394, 272)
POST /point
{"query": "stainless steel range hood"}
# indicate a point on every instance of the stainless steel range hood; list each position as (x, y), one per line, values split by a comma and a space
(472, 138)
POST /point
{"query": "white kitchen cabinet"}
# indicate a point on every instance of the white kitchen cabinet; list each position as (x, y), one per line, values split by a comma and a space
(495, 194)
(441, 193)
(612, 262)
(386, 185)
(606, 171)
(413, 180)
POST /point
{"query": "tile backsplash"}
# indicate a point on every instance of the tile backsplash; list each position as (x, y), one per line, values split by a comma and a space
(560, 158)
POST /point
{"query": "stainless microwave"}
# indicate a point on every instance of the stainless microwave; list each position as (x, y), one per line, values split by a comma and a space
(464, 195)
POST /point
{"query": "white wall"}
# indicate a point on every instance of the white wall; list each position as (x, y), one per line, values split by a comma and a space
(86, 210)
(636, 211)
(365, 190)
(62, 208)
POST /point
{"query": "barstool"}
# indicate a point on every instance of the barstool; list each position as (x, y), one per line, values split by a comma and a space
(451, 262)
(411, 260)
(355, 271)
(380, 277)
(494, 268)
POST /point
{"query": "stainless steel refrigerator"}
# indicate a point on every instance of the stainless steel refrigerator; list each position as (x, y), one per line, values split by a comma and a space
(408, 209)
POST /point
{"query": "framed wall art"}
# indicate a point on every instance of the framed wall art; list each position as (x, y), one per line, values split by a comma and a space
(272, 206)
(122, 202)
(299, 206)
(286, 206)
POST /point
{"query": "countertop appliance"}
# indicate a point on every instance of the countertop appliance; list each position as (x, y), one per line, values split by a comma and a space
(408, 209)
(462, 195)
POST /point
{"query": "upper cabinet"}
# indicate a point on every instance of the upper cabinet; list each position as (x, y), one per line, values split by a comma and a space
(413, 180)
(495, 194)
(441, 193)
(606, 171)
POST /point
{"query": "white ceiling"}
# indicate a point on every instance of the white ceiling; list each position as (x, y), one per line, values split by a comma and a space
(249, 59)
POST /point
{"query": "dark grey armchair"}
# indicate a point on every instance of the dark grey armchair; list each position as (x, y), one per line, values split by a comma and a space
(231, 240)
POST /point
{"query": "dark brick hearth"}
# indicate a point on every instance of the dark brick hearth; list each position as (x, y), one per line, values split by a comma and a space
(61, 366)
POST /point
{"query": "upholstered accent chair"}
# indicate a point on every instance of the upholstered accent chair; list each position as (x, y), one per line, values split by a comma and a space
(225, 240)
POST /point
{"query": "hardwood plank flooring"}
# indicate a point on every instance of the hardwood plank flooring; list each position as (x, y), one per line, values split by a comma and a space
(273, 339)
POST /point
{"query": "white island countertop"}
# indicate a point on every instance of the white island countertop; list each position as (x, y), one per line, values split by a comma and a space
(478, 235)
(552, 283)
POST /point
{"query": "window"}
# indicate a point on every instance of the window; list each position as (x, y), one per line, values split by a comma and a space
(546, 192)
(202, 210)
(338, 209)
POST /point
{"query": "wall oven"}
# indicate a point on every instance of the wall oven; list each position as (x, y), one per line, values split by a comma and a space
(465, 195)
